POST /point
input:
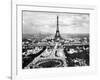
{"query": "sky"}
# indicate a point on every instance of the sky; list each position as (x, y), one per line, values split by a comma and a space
(46, 22)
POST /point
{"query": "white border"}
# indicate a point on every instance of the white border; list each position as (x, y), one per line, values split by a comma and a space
(18, 73)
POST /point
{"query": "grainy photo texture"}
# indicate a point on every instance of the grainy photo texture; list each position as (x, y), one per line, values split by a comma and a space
(54, 39)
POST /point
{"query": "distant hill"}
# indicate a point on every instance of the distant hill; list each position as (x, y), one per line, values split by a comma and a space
(35, 36)
(74, 35)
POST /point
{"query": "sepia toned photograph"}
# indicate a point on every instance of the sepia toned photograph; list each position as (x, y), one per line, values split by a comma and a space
(55, 39)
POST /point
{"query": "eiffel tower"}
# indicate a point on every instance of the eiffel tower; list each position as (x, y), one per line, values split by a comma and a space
(57, 35)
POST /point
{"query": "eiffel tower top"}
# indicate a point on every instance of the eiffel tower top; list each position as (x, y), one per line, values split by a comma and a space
(57, 23)
(57, 35)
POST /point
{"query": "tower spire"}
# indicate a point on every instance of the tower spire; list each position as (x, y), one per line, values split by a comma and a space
(57, 35)
(57, 24)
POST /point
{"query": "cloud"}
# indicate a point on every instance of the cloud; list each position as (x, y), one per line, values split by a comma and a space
(47, 22)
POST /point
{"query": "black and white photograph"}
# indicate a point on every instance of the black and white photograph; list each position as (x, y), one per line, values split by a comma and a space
(55, 39)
